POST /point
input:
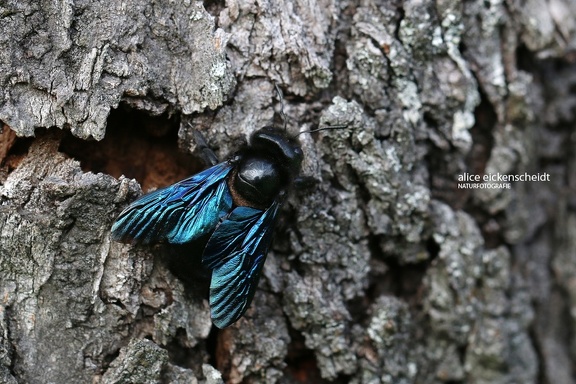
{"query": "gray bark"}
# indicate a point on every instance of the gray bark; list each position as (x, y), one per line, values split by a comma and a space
(382, 271)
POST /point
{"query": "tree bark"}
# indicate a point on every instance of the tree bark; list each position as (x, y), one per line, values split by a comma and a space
(385, 268)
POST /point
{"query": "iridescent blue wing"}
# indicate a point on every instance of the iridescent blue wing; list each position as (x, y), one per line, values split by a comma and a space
(236, 253)
(180, 213)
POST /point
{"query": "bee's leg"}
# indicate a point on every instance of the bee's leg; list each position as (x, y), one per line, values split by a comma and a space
(207, 154)
(305, 182)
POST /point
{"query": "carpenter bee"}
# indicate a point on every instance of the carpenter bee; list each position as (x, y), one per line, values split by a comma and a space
(234, 204)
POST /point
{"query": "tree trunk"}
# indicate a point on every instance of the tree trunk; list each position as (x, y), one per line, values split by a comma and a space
(408, 257)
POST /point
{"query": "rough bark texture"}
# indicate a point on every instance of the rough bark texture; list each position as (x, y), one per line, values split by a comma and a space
(382, 270)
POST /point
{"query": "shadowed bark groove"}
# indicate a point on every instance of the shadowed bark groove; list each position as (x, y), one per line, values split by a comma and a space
(383, 268)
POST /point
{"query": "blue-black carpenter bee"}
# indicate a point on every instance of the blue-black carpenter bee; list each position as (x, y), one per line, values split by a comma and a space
(234, 203)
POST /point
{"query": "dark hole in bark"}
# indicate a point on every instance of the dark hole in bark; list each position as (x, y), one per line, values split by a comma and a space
(301, 364)
(214, 7)
(482, 137)
(12, 148)
(186, 357)
(389, 276)
(525, 59)
(136, 145)
(211, 346)
(109, 358)
(405, 280)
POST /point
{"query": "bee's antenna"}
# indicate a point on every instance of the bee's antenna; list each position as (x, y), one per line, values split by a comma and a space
(322, 129)
(281, 98)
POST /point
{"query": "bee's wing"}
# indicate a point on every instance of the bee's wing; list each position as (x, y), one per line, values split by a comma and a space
(179, 213)
(236, 253)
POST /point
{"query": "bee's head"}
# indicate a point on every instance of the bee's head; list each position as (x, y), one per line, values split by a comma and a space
(287, 151)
